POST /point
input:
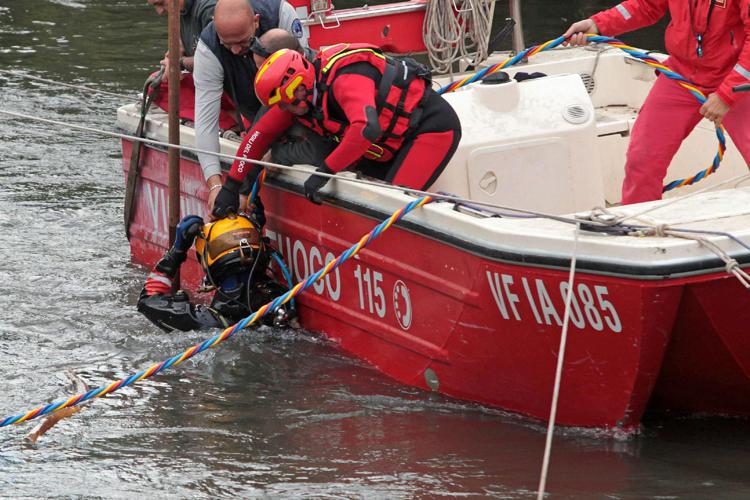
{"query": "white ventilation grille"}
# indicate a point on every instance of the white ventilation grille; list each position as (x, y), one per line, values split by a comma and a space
(588, 82)
(576, 114)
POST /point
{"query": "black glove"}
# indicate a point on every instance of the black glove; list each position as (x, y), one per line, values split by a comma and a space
(170, 263)
(185, 234)
(228, 199)
(521, 76)
(315, 182)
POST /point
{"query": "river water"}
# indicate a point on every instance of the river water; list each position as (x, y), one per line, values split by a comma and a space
(276, 413)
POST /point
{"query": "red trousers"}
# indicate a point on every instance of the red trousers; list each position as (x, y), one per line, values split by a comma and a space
(667, 117)
(187, 103)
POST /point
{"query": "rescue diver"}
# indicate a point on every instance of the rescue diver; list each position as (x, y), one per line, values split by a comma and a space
(236, 262)
(382, 112)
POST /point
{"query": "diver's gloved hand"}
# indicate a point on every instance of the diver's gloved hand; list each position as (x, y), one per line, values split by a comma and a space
(187, 230)
(158, 284)
(170, 263)
(228, 199)
(185, 234)
(315, 182)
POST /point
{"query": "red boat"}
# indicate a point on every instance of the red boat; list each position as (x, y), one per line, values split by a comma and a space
(469, 302)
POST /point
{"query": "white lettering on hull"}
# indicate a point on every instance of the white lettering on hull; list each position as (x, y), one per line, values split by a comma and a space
(156, 201)
(303, 263)
(589, 306)
(304, 259)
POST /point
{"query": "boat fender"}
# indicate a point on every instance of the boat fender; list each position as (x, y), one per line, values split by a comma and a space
(497, 92)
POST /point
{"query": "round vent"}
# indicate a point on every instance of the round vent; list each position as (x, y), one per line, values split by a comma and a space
(575, 113)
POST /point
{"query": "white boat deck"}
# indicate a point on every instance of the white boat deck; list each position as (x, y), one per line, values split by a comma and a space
(615, 120)
(531, 133)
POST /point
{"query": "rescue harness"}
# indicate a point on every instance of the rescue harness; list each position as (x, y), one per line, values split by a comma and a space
(402, 91)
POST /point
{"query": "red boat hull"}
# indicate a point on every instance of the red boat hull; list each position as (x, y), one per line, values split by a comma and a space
(389, 26)
(441, 317)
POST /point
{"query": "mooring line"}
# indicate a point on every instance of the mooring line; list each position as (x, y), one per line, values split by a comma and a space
(339, 178)
(69, 85)
(228, 332)
(632, 51)
(558, 370)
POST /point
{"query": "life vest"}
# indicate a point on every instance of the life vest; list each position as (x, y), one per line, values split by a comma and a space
(402, 90)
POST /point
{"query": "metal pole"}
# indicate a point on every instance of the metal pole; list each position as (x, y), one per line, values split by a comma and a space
(174, 122)
(515, 13)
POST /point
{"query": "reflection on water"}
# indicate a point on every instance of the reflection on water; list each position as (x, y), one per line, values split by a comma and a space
(273, 412)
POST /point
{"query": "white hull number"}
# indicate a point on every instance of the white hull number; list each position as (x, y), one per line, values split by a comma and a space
(588, 308)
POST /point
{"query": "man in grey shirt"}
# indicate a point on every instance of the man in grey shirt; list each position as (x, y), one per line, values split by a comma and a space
(224, 62)
(194, 16)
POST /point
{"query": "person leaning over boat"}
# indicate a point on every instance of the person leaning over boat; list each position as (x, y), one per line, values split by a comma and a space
(223, 61)
(388, 121)
(708, 42)
(235, 259)
(195, 15)
(298, 145)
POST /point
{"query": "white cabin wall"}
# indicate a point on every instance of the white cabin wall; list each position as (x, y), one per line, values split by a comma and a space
(518, 148)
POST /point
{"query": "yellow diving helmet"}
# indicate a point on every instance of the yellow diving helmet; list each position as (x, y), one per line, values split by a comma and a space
(228, 246)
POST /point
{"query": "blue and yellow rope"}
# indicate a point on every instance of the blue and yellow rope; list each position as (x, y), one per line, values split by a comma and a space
(643, 56)
(224, 335)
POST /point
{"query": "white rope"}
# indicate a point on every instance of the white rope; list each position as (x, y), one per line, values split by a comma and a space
(401, 189)
(457, 32)
(598, 221)
(69, 85)
(731, 265)
(558, 371)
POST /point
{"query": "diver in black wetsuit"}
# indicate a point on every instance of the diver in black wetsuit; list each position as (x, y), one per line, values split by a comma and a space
(236, 260)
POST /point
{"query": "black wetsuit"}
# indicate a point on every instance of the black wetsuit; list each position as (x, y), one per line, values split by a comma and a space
(229, 305)
(236, 297)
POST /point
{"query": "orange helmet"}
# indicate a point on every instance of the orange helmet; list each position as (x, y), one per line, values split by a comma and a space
(280, 75)
(228, 246)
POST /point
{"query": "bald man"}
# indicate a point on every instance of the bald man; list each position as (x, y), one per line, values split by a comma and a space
(224, 62)
(271, 41)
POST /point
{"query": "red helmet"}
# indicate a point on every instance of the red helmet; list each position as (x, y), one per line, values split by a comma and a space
(280, 75)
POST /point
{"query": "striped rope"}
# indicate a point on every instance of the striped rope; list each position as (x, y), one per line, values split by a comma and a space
(228, 332)
(632, 51)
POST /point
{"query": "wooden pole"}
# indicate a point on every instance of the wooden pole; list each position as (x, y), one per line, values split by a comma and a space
(174, 123)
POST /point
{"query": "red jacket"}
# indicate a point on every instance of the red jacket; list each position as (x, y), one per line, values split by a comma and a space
(354, 94)
(358, 92)
(726, 42)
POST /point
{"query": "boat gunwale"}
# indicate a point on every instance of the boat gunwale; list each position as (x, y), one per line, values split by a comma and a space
(618, 268)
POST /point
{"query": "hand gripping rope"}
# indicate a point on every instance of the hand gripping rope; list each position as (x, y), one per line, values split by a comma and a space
(227, 333)
(638, 54)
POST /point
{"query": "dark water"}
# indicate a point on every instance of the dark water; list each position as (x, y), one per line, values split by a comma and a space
(273, 413)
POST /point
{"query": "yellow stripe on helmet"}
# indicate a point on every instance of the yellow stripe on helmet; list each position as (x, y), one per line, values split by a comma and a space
(292, 87)
(268, 62)
(276, 97)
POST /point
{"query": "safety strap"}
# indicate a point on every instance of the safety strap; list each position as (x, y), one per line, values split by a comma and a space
(386, 82)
